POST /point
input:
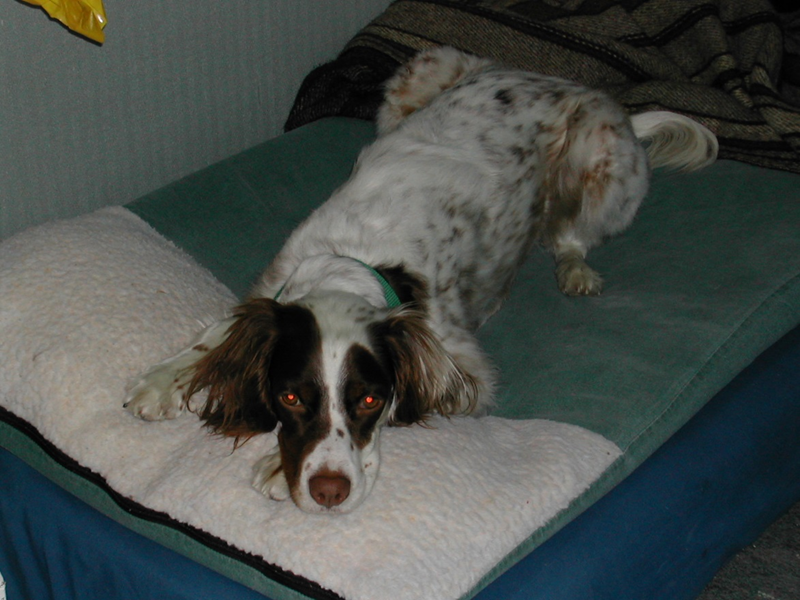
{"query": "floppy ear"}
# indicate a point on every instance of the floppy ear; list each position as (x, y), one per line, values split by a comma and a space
(427, 379)
(235, 373)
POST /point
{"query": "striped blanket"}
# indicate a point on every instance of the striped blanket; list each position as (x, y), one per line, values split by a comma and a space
(733, 65)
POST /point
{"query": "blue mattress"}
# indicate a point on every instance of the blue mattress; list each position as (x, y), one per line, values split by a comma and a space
(662, 533)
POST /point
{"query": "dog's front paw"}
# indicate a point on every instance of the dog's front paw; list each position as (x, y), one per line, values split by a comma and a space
(268, 477)
(576, 278)
(156, 395)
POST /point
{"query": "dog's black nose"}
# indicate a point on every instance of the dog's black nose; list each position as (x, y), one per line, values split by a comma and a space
(329, 488)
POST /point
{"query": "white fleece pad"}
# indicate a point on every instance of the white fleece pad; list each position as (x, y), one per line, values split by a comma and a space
(85, 304)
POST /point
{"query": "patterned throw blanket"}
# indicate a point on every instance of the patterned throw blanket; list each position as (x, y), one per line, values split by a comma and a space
(733, 65)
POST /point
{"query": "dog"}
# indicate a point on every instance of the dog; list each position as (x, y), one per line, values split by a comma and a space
(367, 315)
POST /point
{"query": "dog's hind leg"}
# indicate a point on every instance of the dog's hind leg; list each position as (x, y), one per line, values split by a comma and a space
(600, 174)
(597, 176)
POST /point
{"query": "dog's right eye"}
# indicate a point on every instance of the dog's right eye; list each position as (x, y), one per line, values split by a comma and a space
(291, 399)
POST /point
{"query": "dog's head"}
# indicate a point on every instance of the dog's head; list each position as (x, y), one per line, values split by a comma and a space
(331, 369)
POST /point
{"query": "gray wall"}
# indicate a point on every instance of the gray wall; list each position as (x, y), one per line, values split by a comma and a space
(177, 85)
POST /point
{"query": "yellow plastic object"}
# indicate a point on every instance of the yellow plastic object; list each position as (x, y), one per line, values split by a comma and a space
(87, 17)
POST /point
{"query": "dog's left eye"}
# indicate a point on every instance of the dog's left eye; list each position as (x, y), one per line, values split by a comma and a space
(290, 399)
(371, 402)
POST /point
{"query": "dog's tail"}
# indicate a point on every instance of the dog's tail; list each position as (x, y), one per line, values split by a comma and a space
(675, 141)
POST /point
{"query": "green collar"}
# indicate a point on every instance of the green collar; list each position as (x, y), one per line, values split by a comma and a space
(392, 299)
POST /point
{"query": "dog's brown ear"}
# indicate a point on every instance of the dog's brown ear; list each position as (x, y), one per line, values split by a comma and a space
(235, 373)
(426, 378)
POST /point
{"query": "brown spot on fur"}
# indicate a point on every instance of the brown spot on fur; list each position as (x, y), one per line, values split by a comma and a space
(596, 181)
(409, 287)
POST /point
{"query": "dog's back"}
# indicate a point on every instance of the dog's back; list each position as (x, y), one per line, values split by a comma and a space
(567, 162)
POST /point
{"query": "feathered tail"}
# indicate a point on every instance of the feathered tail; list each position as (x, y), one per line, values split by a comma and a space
(675, 141)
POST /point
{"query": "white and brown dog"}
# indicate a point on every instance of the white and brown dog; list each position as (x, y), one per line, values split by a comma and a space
(367, 315)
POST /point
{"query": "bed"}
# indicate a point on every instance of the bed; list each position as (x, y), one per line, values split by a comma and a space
(640, 437)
